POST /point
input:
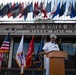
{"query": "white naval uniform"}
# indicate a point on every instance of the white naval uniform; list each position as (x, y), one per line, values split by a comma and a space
(49, 47)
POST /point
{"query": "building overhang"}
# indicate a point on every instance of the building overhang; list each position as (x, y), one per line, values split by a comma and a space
(38, 28)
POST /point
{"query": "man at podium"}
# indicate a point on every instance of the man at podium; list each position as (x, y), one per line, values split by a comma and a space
(49, 47)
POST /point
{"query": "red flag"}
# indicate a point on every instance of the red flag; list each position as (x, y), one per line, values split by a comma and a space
(29, 53)
(9, 13)
(43, 10)
(36, 10)
(1, 58)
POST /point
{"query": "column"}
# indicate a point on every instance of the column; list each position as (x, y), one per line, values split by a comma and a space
(45, 40)
(10, 52)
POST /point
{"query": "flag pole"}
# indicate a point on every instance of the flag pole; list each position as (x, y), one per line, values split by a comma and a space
(33, 57)
(33, 60)
(33, 63)
(43, 55)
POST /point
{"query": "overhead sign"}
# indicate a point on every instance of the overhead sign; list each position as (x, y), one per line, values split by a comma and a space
(50, 28)
(39, 29)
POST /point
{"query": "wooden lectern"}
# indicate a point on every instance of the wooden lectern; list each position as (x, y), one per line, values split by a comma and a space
(57, 66)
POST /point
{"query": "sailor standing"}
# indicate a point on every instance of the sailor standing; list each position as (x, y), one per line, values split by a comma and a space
(49, 47)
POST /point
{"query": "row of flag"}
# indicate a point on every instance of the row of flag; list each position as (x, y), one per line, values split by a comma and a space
(39, 9)
(21, 60)
(15, 9)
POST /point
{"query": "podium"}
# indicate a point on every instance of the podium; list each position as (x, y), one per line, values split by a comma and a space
(57, 66)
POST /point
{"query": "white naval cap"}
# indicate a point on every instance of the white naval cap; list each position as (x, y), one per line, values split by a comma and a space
(53, 36)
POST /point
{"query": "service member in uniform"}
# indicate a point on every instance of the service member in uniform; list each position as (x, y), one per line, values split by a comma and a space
(49, 47)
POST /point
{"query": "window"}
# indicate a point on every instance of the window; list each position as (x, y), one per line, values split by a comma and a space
(70, 48)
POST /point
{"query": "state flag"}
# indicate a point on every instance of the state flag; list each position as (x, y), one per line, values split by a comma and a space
(20, 58)
(30, 53)
(39, 56)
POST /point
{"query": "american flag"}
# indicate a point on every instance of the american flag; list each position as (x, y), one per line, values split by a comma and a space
(5, 45)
